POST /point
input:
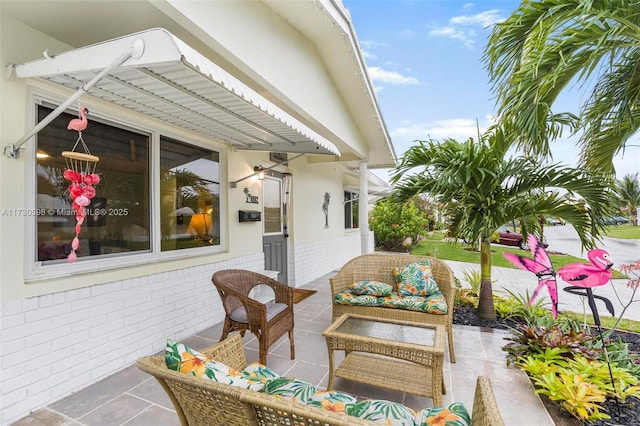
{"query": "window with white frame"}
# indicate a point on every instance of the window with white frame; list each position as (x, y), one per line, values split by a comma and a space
(119, 219)
(350, 210)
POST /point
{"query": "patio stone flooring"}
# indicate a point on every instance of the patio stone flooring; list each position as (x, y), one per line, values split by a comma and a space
(132, 397)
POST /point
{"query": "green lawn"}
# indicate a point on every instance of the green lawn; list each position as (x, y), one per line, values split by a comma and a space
(465, 253)
(623, 231)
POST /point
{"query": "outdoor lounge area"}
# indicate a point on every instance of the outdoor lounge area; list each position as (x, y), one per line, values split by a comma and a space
(133, 397)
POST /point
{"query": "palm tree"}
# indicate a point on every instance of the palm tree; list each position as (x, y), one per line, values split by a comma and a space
(628, 190)
(544, 46)
(483, 189)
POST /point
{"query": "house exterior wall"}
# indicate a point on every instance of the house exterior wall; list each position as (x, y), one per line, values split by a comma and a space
(76, 329)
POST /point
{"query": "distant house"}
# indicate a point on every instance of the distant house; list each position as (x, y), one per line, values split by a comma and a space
(219, 128)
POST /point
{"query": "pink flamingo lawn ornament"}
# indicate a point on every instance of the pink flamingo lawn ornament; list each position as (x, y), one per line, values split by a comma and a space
(542, 267)
(79, 124)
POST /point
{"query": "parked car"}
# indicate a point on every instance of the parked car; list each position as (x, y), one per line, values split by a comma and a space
(621, 219)
(553, 221)
(508, 237)
(613, 220)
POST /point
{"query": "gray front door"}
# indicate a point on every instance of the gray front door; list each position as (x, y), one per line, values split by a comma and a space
(274, 241)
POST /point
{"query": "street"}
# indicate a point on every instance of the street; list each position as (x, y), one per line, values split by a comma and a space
(564, 239)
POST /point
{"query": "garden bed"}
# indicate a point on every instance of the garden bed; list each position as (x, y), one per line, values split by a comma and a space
(629, 413)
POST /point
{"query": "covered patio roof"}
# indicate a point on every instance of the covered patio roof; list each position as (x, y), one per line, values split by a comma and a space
(176, 84)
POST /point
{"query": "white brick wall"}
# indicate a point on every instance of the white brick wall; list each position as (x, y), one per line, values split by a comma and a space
(56, 344)
(310, 261)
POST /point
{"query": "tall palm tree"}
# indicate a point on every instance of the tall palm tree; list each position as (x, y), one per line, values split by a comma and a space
(628, 189)
(483, 189)
(544, 46)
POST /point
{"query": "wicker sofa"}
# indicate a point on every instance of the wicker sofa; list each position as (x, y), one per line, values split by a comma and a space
(204, 402)
(379, 267)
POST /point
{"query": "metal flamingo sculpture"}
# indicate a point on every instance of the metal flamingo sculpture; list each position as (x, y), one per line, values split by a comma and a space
(585, 277)
(540, 265)
(79, 124)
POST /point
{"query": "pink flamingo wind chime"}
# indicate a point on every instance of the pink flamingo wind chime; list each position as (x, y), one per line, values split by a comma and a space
(584, 278)
(80, 172)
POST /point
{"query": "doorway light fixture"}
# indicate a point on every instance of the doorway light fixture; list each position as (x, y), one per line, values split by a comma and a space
(259, 171)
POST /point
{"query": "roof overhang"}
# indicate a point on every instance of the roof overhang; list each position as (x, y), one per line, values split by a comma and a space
(176, 84)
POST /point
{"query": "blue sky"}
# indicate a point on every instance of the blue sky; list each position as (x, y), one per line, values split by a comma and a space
(424, 58)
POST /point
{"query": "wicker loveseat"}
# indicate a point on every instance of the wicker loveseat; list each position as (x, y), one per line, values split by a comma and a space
(204, 402)
(379, 267)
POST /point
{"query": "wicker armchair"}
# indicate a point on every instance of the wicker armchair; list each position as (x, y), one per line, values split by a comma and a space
(267, 321)
(200, 402)
(379, 267)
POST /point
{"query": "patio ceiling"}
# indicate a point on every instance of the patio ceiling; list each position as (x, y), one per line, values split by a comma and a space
(174, 83)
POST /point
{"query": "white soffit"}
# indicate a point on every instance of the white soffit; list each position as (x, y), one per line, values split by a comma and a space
(176, 84)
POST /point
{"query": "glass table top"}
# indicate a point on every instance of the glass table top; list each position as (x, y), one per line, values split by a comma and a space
(388, 331)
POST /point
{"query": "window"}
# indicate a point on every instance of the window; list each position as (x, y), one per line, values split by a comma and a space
(189, 196)
(272, 205)
(119, 217)
(350, 210)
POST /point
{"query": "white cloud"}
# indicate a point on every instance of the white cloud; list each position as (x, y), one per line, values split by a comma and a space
(392, 77)
(485, 19)
(461, 27)
(460, 129)
(454, 33)
(468, 5)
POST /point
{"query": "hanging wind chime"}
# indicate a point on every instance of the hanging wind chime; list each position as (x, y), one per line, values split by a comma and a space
(80, 172)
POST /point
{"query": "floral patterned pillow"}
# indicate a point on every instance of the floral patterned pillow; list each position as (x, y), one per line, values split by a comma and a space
(293, 389)
(416, 279)
(182, 358)
(383, 412)
(435, 304)
(371, 288)
(257, 371)
(453, 415)
(332, 400)
(348, 298)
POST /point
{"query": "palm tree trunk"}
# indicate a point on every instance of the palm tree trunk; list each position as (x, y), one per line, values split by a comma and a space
(486, 310)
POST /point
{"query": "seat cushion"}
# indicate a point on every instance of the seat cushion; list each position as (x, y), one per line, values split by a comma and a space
(293, 389)
(435, 304)
(333, 400)
(273, 309)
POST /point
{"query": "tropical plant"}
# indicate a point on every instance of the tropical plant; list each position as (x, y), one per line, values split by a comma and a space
(628, 189)
(394, 225)
(545, 45)
(482, 189)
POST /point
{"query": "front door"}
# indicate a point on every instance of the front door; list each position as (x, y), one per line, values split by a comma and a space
(274, 241)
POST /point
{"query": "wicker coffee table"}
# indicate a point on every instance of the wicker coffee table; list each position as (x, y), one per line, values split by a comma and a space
(392, 354)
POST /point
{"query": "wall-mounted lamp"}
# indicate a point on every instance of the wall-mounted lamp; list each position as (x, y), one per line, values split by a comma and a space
(259, 170)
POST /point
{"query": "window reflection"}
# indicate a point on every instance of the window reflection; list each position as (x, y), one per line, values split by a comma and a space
(118, 217)
(189, 196)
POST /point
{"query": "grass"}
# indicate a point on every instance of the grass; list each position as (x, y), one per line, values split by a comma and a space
(435, 246)
(623, 231)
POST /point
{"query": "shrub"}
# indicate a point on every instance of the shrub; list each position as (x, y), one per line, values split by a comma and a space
(394, 225)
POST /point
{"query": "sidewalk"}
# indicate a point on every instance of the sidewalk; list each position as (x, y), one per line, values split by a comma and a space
(519, 281)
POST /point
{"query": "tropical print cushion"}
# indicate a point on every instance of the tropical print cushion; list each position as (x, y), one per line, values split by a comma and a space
(453, 415)
(182, 358)
(332, 400)
(434, 304)
(293, 389)
(416, 279)
(371, 288)
(348, 298)
(383, 412)
(258, 371)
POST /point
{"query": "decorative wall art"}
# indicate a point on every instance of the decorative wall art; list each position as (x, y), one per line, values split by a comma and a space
(80, 171)
(325, 208)
(251, 199)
